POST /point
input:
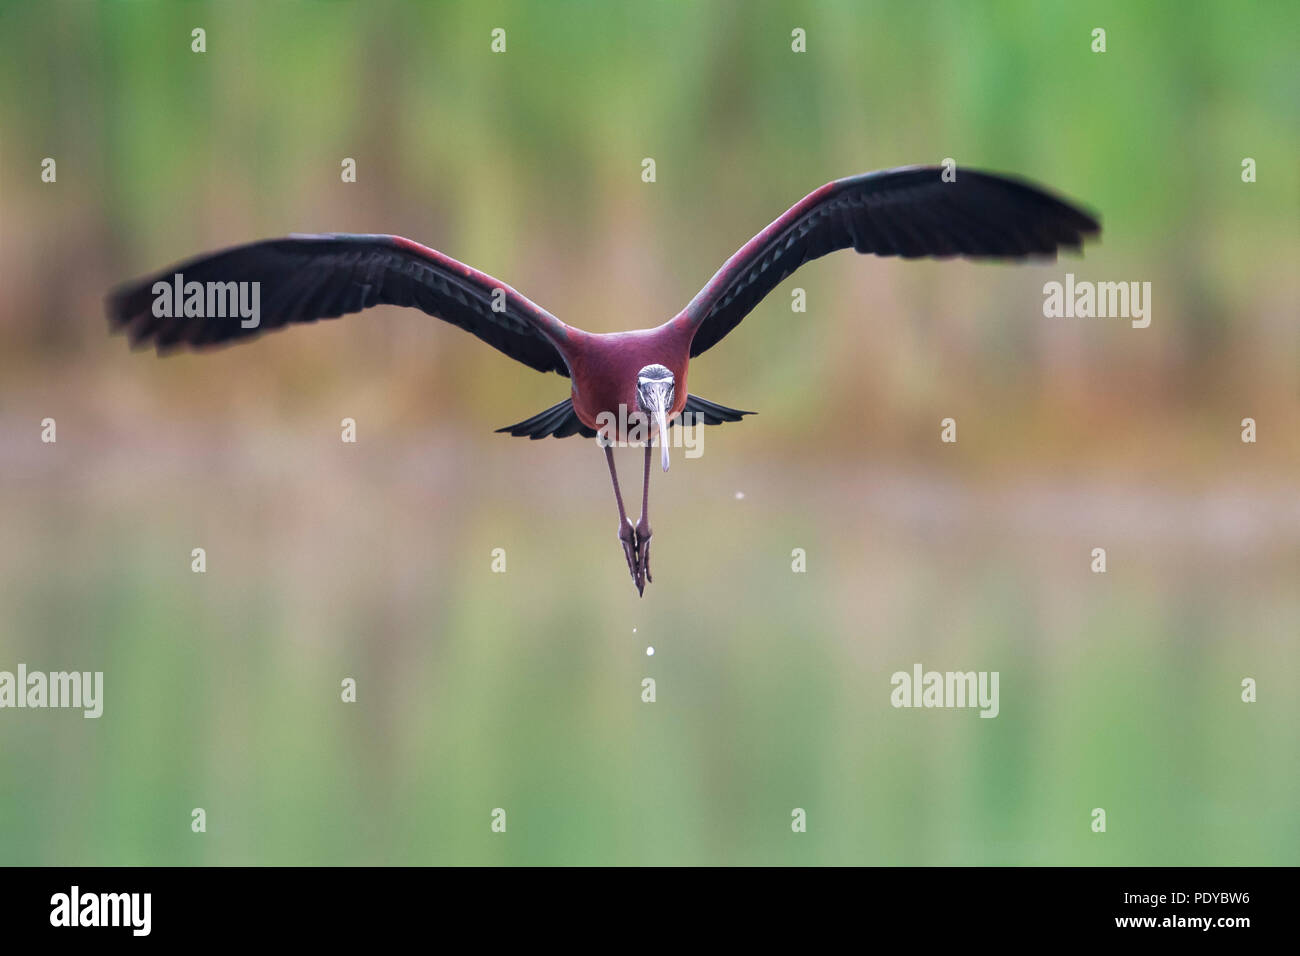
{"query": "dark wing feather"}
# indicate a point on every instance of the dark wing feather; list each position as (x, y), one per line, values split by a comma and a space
(711, 413)
(560, 421)
(909, 212)
(305, 278)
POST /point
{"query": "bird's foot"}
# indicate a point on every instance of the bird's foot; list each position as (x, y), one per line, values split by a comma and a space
(643, 536)
(627, 535)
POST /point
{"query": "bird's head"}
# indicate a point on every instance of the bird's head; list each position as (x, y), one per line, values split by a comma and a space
(655, 393)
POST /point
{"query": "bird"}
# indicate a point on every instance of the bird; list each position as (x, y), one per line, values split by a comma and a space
(625, 387)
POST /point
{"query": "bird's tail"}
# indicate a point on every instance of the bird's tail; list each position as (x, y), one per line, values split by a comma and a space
(710, 413)
(560, 421)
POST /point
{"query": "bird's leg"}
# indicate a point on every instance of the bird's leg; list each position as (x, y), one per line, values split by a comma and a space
(626, 533)
(643, 532)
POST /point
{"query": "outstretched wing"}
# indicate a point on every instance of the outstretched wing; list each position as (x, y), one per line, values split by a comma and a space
(305, 278)
(909, 212)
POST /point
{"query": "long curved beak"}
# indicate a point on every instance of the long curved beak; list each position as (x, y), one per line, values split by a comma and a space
(663, 434)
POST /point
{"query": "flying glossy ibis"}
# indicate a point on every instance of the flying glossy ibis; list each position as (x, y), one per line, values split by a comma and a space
(625, 385)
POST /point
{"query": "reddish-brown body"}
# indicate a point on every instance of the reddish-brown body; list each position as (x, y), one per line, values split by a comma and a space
(604, 370)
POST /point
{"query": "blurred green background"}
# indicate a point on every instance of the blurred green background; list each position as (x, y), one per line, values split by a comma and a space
(522, 690)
